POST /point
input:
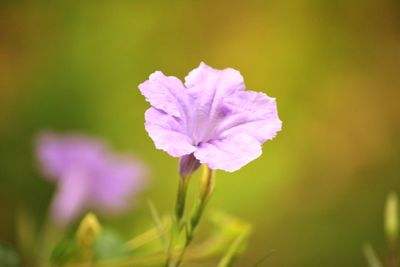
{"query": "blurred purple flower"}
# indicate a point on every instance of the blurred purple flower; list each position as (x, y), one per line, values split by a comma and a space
(88, 175)
(210, 116)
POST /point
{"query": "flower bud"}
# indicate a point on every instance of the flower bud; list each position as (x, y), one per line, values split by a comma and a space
(207, 183)
(188, 164)
(89, 229)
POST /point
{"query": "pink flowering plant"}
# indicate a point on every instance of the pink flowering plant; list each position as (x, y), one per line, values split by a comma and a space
(208, 121)
(89, 176)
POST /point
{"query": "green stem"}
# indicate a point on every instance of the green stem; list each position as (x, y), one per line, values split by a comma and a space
(179, 214)
(150, 235)
(207, 184)
(181, 198)
(190, 229)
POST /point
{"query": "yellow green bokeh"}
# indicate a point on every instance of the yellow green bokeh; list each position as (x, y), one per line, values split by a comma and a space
(317, 193)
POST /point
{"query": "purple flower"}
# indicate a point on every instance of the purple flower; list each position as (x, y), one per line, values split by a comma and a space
(88, 175)
(210, 116)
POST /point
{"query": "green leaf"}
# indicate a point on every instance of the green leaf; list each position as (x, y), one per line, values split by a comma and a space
(234, 248)
(65, 251)
(157, 221)
(232, 229)
(108, 246)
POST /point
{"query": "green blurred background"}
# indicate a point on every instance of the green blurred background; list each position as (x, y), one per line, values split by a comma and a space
(315, 196)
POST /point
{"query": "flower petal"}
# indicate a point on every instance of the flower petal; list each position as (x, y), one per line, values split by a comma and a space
(207, 87)
(71, 196)
(165, 93)
(58, 154)
(250, 113)
(227, 80)
(116, 181)
(167, 133)
(230, 153)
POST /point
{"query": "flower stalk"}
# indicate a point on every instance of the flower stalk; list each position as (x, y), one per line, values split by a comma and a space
(179, 216)
(181, 198)
(207, 184)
